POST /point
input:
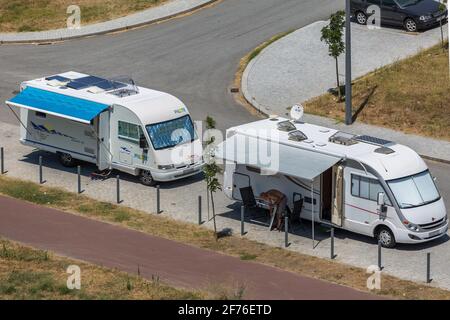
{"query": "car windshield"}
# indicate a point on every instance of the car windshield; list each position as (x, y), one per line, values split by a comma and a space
(171, 133)
(407, 3)
(415, 190)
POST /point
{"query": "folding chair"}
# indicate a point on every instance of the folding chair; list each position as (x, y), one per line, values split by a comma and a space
(250, 202)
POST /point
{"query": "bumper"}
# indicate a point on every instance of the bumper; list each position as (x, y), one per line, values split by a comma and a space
(407, 236)
(172, 175)
(430, 23)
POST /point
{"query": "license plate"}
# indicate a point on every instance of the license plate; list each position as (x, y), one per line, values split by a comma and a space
(435, 233)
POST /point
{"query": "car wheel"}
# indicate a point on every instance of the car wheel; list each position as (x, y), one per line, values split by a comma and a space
(146, 178)
(361, 18)
(410, 25)
(67, 160)
(386, 237)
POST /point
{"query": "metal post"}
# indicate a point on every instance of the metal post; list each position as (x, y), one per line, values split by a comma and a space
(118, 188)
(200, 210)
(79, 179)
(286, 231)
(312, 213)
(429, 267)
(379, 256)
(348, 65)
(2, 160)
(158, 200)
(242, 220)
(40, 170)
(332, 256)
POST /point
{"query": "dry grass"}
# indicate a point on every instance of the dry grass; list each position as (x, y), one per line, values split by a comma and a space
(27, 273)
(411, 95)
(37, 15)
(201, 237)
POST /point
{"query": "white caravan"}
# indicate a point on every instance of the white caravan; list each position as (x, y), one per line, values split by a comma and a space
(358, 183)
(111, 123)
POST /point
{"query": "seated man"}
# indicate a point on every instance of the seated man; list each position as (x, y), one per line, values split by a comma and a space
(276, 199)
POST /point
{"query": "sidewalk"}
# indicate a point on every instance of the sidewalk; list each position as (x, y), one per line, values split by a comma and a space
(152, 15)
(298, 68)
(175, 263)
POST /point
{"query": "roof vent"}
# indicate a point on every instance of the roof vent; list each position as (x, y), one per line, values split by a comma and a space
(384, 150)
(286, 126)
(127, 88)
(297, 136)
(343, 138)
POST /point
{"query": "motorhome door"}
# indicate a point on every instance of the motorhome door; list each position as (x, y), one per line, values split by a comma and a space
(103, 148)
(338, 196)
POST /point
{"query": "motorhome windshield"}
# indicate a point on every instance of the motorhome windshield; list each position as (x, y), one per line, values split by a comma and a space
(171, 133)
(415, 190)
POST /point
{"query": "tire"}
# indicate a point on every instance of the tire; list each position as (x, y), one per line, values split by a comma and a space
(361, 18)
(67, 160)
(410, 25)
(146, 178)
(386, 237)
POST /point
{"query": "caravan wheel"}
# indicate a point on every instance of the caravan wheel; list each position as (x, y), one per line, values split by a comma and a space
(386, 237)
(67, 160)
(146, 178)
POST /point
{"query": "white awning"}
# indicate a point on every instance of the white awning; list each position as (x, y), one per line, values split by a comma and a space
(275, 157)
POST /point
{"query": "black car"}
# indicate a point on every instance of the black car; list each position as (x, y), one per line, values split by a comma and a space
(413, 15)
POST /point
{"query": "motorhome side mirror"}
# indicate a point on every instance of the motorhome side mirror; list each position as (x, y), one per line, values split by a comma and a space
(143, 142)
(381, 199)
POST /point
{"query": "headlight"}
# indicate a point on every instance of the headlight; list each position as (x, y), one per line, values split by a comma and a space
(166, 167)
(425, 17)
(411, 226)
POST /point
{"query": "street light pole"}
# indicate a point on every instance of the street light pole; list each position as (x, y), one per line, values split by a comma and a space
(348, 65)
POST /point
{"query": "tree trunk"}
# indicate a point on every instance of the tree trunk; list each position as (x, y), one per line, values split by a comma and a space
(442, 34)
(214, 215)
(337, 80)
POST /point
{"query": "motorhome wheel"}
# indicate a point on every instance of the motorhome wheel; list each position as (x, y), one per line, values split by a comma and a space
(386, 237)
(146, 178)
(67, 160)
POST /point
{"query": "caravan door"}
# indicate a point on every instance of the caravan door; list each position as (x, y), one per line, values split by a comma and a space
(338, 196)
(103, 148)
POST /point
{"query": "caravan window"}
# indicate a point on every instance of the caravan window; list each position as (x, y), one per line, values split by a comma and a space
(129, 131)
(367, 188)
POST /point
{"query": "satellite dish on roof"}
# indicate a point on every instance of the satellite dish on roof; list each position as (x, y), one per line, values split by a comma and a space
(297, 112)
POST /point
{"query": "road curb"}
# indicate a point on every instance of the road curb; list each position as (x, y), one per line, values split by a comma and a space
(262, 109)
(110, 30)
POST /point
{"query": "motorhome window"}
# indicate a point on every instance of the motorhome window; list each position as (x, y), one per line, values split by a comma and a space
(367, 188)
(171, 133)
(129, 131)
(415, 190)
(41, 114)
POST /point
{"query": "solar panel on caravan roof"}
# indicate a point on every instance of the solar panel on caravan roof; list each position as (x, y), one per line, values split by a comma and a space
(89, 81)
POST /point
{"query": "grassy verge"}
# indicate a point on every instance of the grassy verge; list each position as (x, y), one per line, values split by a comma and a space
(27, 273)
(243, 63)
(37, 15)
(201, 237)
(412, 95)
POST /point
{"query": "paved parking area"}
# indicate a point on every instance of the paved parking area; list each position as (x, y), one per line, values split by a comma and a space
(179, 201)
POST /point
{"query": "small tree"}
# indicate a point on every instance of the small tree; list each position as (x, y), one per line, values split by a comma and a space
(211, 169)
(442, 8)
(332, 35)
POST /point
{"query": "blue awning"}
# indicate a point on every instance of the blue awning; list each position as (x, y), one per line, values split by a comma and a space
(57, 104)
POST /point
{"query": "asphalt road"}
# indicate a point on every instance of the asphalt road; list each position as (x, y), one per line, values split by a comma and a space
(194, 57)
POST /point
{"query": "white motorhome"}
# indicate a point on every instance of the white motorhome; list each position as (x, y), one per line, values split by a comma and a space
(359, 183)
(111, 123)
